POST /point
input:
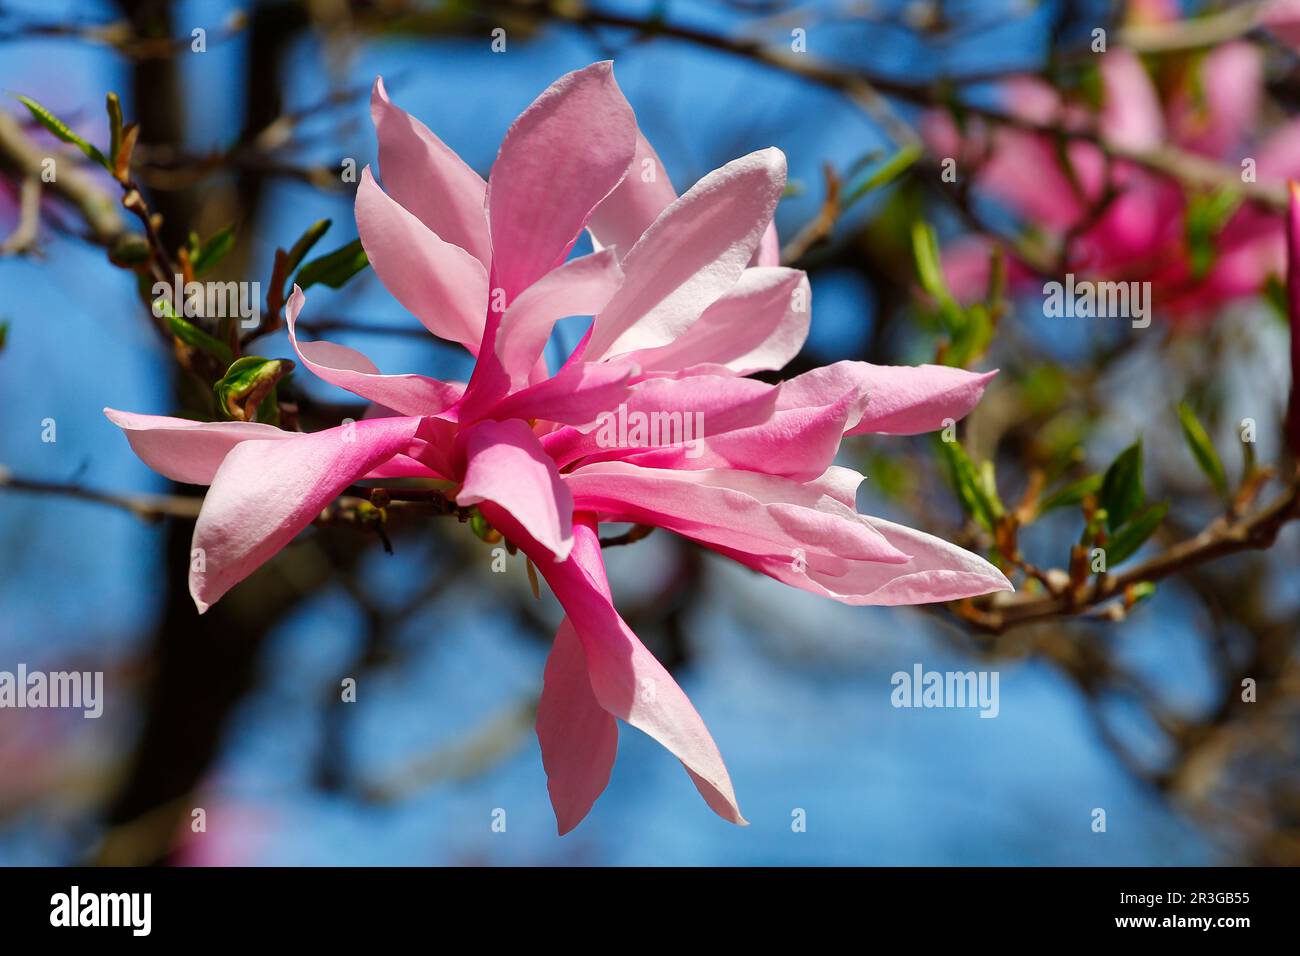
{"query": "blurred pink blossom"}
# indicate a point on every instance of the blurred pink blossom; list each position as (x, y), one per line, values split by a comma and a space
(1142, 233)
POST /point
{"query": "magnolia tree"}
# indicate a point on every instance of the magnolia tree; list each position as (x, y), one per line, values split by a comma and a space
(1066, 261)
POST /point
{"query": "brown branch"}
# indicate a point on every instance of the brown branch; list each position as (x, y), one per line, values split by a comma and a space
(96, 207)
(23, 239)
(143, 506)
(1224, 536)
(1187, 168)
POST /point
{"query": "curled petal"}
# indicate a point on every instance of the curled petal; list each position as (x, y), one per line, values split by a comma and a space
(348, 368)
(581, 286)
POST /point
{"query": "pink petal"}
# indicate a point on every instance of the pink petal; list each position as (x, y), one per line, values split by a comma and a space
(441, 284)
(759, 324)
(723, 403)
(636, 202)
(424, 175)
(264, 493)
(1230, 85)
(1131, 114)
(625, 677)
(741, 510)
(348, 368)
(579, 738)
(806, 535)
(694, 252)
(575, 395)
(937, 571)
(901, 399)
(185, 450)
(506, 466)
(768, 252)
(797, 442)
(559, 159)
(579, 287)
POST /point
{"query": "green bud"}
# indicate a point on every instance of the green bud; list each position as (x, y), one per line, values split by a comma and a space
(246, 383)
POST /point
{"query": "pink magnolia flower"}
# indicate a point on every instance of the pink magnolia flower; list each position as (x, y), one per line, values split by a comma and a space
(1142, 232)
(687, 302)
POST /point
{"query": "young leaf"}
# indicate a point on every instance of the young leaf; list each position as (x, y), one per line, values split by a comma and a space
(1121, 487)
(213, 250)
(1129, 538)
(61, 130)
(334, 268)
(1203, 449)
(970, 485)
(246, 383)
(192, 335)
(1071, 494)
(929, 270)
(889, 170)
(114, 106)
(305, 242)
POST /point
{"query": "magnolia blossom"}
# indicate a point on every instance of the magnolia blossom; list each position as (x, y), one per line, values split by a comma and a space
(688, 300)
(1142, 231)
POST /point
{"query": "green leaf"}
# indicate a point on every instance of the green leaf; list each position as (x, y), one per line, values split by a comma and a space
(971, 484)
(191, 334)
(925, 250)
(1198, 440)
(114, 106)
(1129, 538)
(1072, 494)
(61, 130)
(886, 173)
(334, 268)
(248, 382)
(1121, 487)
(4, 333)
(1207, 214)
(213, 250)
(305, 242)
